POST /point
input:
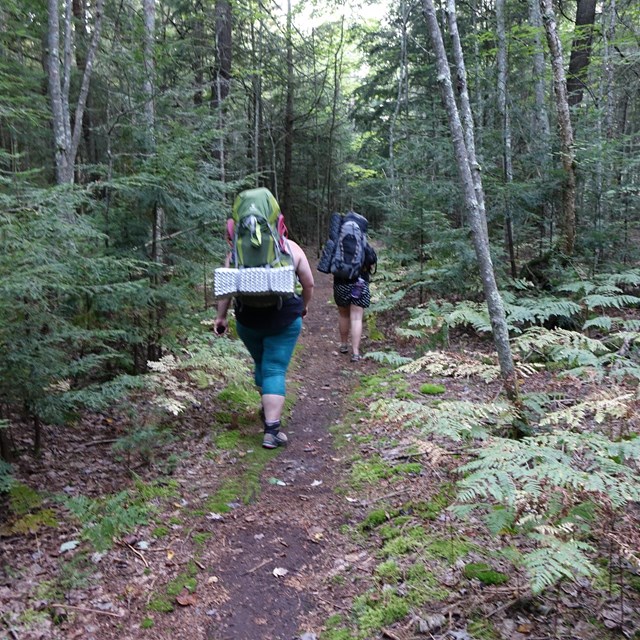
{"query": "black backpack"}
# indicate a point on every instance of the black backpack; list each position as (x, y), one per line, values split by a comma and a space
(349, 255)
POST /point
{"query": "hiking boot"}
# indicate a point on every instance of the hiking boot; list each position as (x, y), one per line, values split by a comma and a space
(344, 348)
(272, 440)
(355, 357)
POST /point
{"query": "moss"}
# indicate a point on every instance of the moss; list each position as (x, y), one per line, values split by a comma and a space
(389, 571)
(431, 509)
(335, 629)
(239, 397)
(483, 630)
(201, 537)
(432, 389)
(228, 440)
(147, 623)
(450, 550)
(23, 499)
(373, 614)
(160, 604)
(483, 572)
(374, 519)
(160, 532)
(185, 580)
(32, 522)
(375, 469)
(423, 586)
(413, 539)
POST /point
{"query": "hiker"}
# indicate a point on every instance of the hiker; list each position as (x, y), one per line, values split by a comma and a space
(270, 332)
(352, 298)
(351, 264)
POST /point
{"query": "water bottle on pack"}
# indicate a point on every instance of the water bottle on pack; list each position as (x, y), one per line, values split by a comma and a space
(357, 288)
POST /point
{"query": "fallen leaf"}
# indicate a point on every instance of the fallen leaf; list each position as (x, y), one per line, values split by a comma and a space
(170, 554)
(280, 483)
(186, 599)
(212, 579)
(316, 483)
(278, 572)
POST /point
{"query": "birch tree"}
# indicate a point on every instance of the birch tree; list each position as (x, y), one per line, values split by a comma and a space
(471, 187)
(565, 129)
(67, 137)
(503, 108)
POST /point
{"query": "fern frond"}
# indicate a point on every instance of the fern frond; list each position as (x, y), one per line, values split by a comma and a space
(612, 404)
(602, 301)
(392, 358)
(557, 559)
(601, 322)
(450, 365)
(454, 420)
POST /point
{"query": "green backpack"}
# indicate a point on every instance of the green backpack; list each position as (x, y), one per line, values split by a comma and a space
(259, 250)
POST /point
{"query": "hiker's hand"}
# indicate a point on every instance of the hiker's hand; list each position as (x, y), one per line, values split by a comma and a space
(304, 312)
(220, 325)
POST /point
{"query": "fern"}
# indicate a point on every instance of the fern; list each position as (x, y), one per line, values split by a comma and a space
(451, 365)
(556, 559)
(601, 301)
(612, 404)
(454, 420)
(392, 358)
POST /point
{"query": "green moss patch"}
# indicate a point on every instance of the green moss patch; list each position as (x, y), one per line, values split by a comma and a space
(483, 572)
(432, 389)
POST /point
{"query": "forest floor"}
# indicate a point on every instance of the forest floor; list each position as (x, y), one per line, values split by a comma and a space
(342, 534)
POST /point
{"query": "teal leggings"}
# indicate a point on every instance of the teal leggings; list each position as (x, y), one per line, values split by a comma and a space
(271, 351)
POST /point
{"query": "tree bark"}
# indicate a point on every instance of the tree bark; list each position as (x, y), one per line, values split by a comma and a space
(503, 108)
(580, 50)
(471, 187)
(66, 139)
(567, 150)
(288, 119)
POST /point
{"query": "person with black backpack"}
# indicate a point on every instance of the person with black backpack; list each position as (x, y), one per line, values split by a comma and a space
(271, 285)
(351, 262)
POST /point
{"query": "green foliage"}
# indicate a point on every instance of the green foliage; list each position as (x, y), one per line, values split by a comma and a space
(455, 420)
(108, 518)
(430, 389)
(23, 499)
(484, 573)
(524, 477)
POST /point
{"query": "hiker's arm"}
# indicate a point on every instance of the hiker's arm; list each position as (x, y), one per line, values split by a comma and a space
(305, 275)
(221, 323)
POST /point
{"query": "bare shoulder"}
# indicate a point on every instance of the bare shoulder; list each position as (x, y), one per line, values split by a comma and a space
(296, 251)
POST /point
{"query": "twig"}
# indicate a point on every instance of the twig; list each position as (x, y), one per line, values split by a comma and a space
(86, 610)
(388, 634)
(267, 561)
(146, 564)
(390, 495)
(332, 604)
(95, 442)
(199, 564)
(507, 605)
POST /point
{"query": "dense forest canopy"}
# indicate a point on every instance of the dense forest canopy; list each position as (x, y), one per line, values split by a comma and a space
(125, 129)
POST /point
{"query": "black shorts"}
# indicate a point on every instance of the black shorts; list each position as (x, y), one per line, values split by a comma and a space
(342, 295)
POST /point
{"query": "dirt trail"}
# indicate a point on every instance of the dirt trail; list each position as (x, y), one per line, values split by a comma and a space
(288, 527)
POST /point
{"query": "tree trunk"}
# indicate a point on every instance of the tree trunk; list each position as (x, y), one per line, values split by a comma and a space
(503, 108)
(540, 133)
(471, 187)
(222, 80)
(67, 140)
(567, 150)
(580, 50)
(400, 99)
(288, 119)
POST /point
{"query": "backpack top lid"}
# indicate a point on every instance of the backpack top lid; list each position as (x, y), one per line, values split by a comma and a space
(360, 220)
(260, 202)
